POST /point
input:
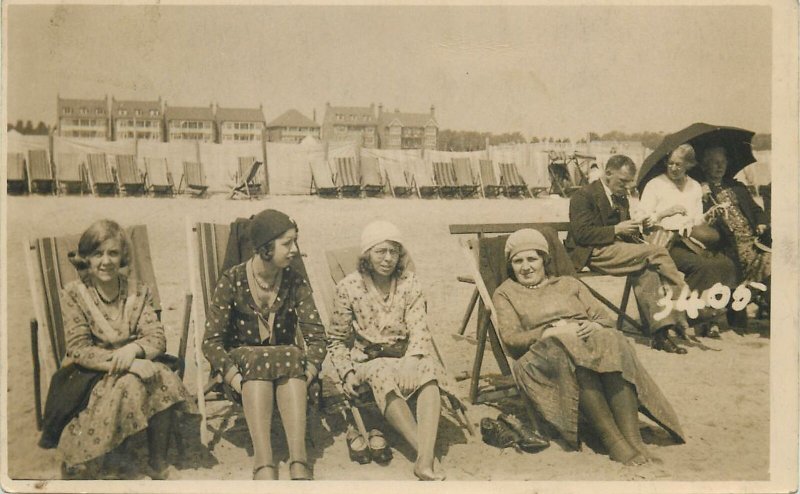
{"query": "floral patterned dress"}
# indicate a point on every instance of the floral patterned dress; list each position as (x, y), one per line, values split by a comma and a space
(288, 335)
(119, 405)
(363, 315)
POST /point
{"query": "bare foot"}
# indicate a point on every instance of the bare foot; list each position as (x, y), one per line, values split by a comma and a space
(626, 454)
(428, 472)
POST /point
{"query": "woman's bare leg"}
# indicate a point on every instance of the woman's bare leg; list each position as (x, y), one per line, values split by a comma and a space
(292, 402)
(257, 401)
(400, 417)
(625, 407)
(429, 406)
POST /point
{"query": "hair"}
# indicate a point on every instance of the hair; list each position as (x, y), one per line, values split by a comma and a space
(686, 153)
(549, 268)
(267, 250)
(619, 161)
(97, 233)
(715, 145)
(365, 265)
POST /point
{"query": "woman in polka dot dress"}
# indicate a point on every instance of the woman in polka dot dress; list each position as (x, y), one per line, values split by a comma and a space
(264, 336)
(382, 303)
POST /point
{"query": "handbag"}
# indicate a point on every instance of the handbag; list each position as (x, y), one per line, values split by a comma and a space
(393, 350)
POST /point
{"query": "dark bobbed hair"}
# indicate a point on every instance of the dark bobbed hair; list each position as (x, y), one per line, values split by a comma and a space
(267, 251)
(549, 266)
(619, 161)
(365, 266)
(97, 233)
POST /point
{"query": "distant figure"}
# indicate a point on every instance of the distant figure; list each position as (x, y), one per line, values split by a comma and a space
(594, 173)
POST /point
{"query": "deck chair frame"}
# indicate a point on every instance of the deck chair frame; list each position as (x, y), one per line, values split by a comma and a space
(159, 187)
(193, 179)
(71, 174)
(422, 181)
(41, 177)
(101, 176)
(247, 185)
(130, 178)
(17, 178)
(513, 183)
(396, 178)
(49, 271)
(488, 180)
(348, 176)
(372, 183)
(320, 170)
(445, 177)
(465, 179)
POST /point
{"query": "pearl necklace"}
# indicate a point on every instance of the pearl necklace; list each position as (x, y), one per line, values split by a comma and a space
(263, 285)
(113, 300)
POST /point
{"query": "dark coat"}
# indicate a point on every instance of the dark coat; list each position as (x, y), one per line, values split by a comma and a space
(591, 222)
(747, 205)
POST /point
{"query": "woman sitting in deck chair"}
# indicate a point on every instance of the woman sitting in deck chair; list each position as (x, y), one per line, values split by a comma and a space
(568, 357)
(382, 305)
(264, 336)
(118, 371)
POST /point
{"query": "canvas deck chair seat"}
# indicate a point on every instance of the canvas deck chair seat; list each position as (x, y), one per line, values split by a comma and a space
(101, 176)
(491, 187)
(71, 174)
(513, 183)
(49, 271)
(40, 172)
(342, 262)
(348, 178)
(214, 248)
(193, 179)
(468, 186)
(445, 178)
(396, 179)
(321, 179)
(422, 179)
(159, 178)
(17, 174)
(371, 178)
(131, 179)
(248, 183)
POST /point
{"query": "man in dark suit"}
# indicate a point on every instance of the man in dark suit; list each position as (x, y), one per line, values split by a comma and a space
(603, 236)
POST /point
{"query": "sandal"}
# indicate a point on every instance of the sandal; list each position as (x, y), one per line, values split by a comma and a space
(379, 448)
(358, 447)
(272, 467)
(306, 473)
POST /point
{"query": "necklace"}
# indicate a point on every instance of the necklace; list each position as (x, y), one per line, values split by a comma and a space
(261, 284)
(114, 299)
(536, 286)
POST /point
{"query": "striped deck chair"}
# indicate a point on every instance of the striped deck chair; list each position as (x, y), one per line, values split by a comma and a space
(71, 174)
(159, 178)
(193, 178)
(101, 176)
(208, 258)
(422, 179)
(371, 178)
(17, 174)
(131, 178)
(49, 270)
(491, 187)
(40, 172)
(321, 179)
(445, 177)
(467, 185)
(248, 181)
(513, 183)
(342, 262)
(348, 178)
(397, 179)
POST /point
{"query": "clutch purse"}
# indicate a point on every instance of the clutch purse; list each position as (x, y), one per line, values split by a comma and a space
(394, 350)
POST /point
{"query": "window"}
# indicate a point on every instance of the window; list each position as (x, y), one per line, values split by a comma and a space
(84, 111)
(123, 113)
(67, 110)
(138, 113)
(153, 113)
(98, 111)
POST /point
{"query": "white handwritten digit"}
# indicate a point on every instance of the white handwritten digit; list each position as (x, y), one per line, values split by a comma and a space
(758, 286)
(718, 296)
(666, 303)
(694, 304)
(741, 297)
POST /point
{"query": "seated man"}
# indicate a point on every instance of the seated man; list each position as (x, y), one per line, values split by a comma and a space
(603, 237)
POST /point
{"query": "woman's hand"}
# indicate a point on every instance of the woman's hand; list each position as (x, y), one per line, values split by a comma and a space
(676, 209)
(143, 368)
(407, 374)
(311, 373)
(586, 328)
(122, 358)
(349, 385)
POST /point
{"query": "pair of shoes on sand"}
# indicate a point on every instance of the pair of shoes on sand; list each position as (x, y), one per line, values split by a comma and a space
(663, 341)
(363, 450)
(298, 470)
(508, 431)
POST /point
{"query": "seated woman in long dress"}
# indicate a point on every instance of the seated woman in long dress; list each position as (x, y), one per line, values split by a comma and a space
(674, 201)
(568, 357)
(382, 305)
(113, 339)
(264, 336)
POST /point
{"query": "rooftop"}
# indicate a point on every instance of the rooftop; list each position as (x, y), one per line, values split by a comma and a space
(188, 113)
(292, 118)
(239, 115)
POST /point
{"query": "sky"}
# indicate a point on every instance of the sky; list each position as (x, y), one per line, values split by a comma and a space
(541, 70)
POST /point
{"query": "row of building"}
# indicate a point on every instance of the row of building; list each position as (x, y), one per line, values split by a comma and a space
(156, 120)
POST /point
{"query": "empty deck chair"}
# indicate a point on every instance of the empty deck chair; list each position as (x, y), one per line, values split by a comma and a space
(491, 187)
(348, 178)
(159, 178)
(131, 178)
(100, 175)
(321, 180)
(422, 178)
(40, 172)
(371, 178)
(70, 174)
(17, 174)
(513, 183)
(193, 178)
(445, 177)
(561, 182)
(467, 185)
(397, 179)
(248, 183)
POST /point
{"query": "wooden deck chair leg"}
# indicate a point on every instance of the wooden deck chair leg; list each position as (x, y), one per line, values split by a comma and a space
(483, 324)
(497, 350)
(37, 386)
(623, 306)
(468, 314)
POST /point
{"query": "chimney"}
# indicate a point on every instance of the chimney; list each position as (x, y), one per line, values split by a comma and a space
(314, 115)
(433, 111)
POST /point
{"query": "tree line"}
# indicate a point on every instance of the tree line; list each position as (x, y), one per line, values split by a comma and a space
(28, 129)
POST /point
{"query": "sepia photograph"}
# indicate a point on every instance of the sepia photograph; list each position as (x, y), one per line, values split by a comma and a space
(458, 242)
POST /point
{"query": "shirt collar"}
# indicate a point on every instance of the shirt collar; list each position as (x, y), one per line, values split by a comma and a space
(609, 196)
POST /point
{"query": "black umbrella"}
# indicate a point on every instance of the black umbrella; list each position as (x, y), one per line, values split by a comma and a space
(701, 136)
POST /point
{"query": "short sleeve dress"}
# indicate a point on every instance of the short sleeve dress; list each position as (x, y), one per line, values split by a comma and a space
(233, 337)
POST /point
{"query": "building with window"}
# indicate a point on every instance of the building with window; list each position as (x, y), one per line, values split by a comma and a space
(292, 126)
(83, 118)
(240, 124)
(190, 123)
(351, 123)
(137, 120)
(398, 130)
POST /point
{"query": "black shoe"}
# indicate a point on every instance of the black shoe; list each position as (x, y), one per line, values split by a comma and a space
(529, 441)
(662, 341)
(498, 434)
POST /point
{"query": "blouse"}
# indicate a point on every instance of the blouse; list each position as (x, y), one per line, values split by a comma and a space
(661, 193)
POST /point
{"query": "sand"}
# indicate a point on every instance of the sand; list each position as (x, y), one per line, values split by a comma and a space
(720, 389)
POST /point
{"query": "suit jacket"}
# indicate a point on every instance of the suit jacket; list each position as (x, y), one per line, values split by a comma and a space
(591, 222)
